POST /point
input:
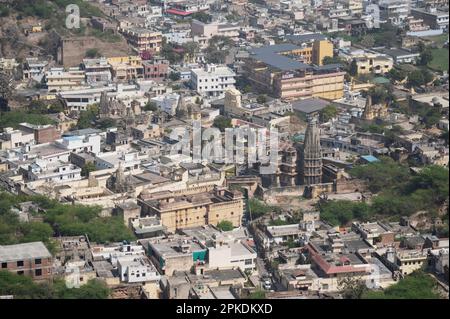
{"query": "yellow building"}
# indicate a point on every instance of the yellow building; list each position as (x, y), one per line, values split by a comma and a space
(178, 210)
(320, 50)
(126, 68)
(277, 69)
(143, 40)
(374, 64)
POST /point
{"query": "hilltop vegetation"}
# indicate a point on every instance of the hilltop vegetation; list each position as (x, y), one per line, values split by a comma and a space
(418, 285)
(399, 192)
(59, 219)
(22, 287)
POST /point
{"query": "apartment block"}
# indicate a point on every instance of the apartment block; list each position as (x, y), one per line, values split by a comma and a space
(272, 69)
(29, 259)
(183, 210)
(143, 40)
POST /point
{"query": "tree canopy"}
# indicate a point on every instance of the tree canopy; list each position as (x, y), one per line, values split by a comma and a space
(23, 287)
(418, 285)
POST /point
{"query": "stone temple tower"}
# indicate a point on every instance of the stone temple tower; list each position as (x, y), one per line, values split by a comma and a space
(312, 154)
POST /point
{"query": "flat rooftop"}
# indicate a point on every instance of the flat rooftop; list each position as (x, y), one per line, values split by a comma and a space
(24, 251)
(270, 55)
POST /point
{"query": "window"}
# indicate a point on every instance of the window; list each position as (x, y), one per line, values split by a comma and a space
(38, 272)
(20, 263)
(20, 272)
(248, 261)
(4, 265)
(38, 261)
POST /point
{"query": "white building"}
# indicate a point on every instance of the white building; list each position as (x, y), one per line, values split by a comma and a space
(231, 253)
(81, 143)
(129, 161)
(212, 80)
(113, 252)
(80, 99)
(34, 69)
(167, 103)
(11, 138)
(57, 172)
(136, 269)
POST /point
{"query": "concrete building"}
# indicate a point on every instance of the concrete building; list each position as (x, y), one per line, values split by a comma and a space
(193, 208)
(156, 69)
(313, 48)
(58, 79)
(29, 259)
(228, 253)
(56, 172)
(136, 270)
(271, 70)
(435, 18)
(212, 81)
(208, 30)
(178, 253)
(143, 40)
(374, 64)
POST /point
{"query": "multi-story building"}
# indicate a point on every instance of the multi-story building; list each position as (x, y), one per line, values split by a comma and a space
(313, 48)
(30, 259)
(178, 253)
(208, 30)
(133, 269)
(98, 71)
(56, 172)
(42, 133)
(143, 40)
(34, 69)
(271, 70)
(156, 69)
(59, 79)
(435, 18)
(375, 64)
(212, 80)
(11, 138)
(394, 11)
(125, 68)
(178, 210)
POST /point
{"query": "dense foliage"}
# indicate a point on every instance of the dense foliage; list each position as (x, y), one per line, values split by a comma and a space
(59, 219)
(418, 285)
(399, 192)
(22, 287)
(225, 225)
(15, 117)
(259, 208)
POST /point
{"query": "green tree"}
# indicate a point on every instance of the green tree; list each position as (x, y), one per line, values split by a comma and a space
(202, 17)
(258, 294)
(332, 60)
(87, 117)
(174, 76)
(225, 225)
(397, 74)
(151, 106)
(418, 285)
(328, 113)
(353, 69)
(222, 122)
(415, 78)
(426, 57)
(92, 53)
(87, 168)
(261, 99)
(352, 288)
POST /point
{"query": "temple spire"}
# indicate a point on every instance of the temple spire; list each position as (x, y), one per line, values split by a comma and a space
(312, 154)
